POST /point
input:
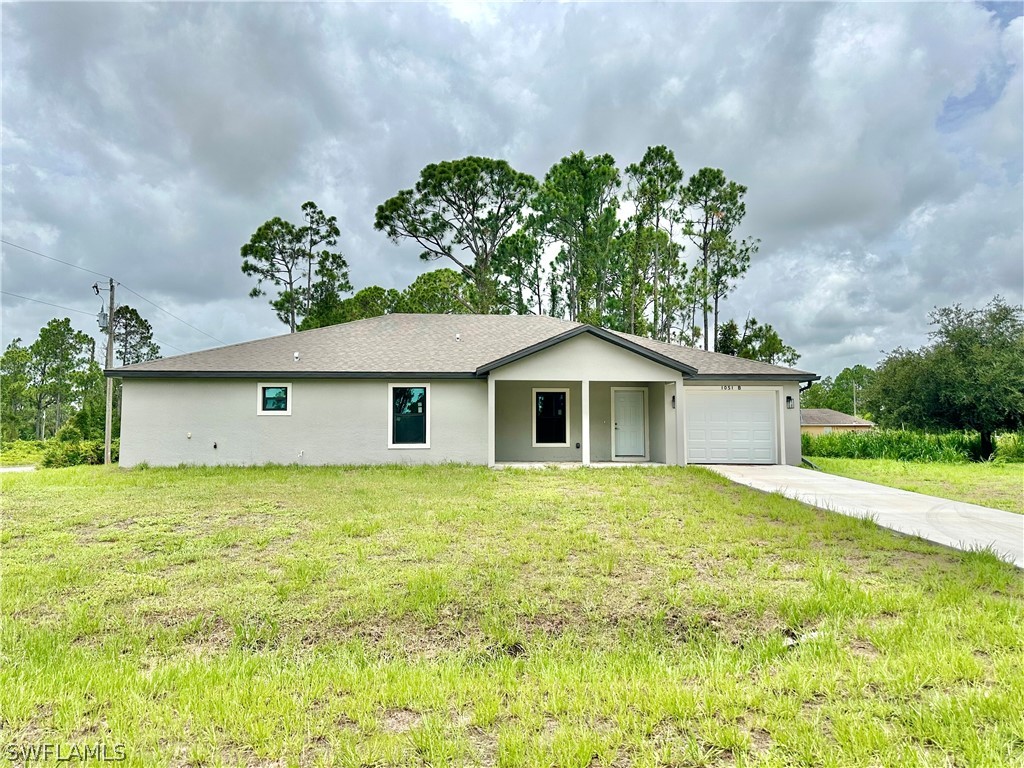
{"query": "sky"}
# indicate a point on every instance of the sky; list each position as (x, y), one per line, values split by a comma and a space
(881, 144)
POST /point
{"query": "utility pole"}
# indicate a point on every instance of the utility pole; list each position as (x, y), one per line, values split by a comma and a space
(108, 420)
(108, 424)
(855, 399)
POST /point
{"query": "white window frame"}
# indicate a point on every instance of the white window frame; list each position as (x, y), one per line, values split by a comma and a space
(259, 400)
(568, 419)
(392, 445)
(647, 424)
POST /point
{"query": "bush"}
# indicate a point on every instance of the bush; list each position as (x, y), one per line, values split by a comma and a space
(1009, 448)
(22, 453)
(898, 444)
(74, 453)
(69, 433)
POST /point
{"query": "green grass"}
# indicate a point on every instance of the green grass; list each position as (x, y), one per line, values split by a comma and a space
(22, 453)
(454, 615)
(990, 484)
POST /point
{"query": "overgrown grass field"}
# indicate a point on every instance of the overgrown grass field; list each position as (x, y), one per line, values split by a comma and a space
(912, 445)
(992, 485)
(461, 616)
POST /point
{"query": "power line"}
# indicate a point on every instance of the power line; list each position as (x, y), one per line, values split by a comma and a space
(51, 258)
(58, 306)
(94, 272)
(82, 312)
(172, 314)
(165, 344)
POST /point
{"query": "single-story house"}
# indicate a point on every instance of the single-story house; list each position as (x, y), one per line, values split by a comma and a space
(822, 421)
(480, 389)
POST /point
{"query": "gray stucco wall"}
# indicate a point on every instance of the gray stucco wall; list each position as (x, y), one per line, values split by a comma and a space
(514, 422)
(339, 421)
(656, 414)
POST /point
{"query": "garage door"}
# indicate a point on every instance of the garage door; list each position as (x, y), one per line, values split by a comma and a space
(736, 426)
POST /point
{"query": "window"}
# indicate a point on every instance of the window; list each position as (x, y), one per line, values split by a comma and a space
(409, 415)
(274, 400)
(551, 418)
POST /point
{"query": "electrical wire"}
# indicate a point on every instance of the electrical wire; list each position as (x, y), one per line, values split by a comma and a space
(199, 330)
(47, 303)
(51, 258)
(94, 272)
(82, 312)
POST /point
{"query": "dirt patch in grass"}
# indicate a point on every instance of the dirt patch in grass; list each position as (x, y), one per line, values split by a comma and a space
(864, 647)
(400, 720)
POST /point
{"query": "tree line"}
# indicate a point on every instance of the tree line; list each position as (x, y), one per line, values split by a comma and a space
(969, 376)
(55, 385)
(645, 251)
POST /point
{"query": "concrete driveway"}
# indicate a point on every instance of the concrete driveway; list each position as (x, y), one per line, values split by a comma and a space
(952, 523)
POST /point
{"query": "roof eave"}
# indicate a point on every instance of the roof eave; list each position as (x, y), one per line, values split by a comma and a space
(120, 373)
(766, 375)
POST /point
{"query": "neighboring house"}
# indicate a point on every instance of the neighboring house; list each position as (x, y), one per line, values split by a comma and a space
(822, 421)
(481, 389)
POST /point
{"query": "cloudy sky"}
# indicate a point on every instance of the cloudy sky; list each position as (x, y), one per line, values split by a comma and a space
(881, 144)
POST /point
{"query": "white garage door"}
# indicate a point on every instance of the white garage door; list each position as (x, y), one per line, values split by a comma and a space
(736, 426)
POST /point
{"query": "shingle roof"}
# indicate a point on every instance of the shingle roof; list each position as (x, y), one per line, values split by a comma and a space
(715, 363)
(826, 417)
(436, 345)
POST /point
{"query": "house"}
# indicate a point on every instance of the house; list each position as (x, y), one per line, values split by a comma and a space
(822, 421)
(480, 389)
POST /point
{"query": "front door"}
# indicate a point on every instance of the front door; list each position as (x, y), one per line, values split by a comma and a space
(629, 427)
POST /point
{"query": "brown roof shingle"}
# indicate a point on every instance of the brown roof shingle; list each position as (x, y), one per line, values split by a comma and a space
(826, 417)
(436, 345)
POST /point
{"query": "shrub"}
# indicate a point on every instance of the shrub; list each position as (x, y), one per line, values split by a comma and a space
(73, 453)
(898, 444)
(69, 433)
(22, 453)
(1009, 448)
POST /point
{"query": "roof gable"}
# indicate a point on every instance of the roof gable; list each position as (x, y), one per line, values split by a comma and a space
(600, 333)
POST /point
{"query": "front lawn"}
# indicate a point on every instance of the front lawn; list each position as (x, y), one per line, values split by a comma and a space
(992, 485)
(456, 615)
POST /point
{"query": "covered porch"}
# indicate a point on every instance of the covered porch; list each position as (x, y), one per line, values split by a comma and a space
(588, 397)
(581, 422)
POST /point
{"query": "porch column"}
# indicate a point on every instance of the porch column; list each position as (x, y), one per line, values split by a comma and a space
(585, 413)
(490, 421)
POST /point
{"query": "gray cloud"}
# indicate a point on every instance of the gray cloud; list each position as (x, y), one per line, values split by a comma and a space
(881, 144)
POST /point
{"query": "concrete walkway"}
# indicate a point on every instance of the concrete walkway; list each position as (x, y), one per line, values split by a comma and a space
(17, 469)
(952, 523)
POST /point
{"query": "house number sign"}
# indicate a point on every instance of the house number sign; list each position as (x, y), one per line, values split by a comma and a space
(730, 386)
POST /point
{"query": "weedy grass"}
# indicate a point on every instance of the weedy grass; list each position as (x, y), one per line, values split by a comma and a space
(896, 444)
(990, 484)
(460, 616)
(1009, 448)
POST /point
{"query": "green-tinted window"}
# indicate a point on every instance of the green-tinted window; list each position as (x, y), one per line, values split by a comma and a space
(409, 415)
(275, 398)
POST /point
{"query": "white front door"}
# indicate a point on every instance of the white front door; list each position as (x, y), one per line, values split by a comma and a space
(629, 424)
